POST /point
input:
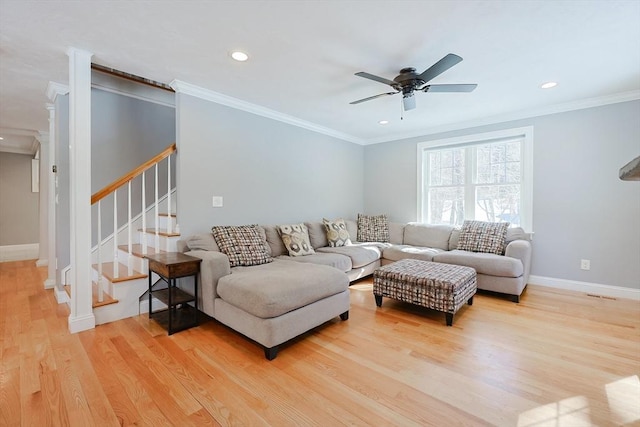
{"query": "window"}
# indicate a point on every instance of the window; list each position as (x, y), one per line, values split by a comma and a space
(486, 177)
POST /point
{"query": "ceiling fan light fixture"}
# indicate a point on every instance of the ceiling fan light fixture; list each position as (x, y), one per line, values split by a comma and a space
(239, 56)
(548, 85)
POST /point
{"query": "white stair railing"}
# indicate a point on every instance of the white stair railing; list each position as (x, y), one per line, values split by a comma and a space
(116, 271)
(113, 189)
(100, 278)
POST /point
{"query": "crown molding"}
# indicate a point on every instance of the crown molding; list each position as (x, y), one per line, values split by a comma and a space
(518, 115)
(218, 98)
(54, 89)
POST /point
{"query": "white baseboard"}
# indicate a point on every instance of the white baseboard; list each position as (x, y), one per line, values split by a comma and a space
(61, 295)
(50, 284)
(81, 323)
(586, 287)
(19, 252)
(42, 263)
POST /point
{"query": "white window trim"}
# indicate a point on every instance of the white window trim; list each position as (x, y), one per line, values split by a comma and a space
(527, 188)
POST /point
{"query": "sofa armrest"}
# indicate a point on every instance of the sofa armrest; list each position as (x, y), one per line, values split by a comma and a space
(521, 249)
(214, 266)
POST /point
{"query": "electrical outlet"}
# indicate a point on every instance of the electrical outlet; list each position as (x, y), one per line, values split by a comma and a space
(585, 264)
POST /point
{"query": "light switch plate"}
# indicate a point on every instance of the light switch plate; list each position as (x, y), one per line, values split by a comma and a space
(217, 201)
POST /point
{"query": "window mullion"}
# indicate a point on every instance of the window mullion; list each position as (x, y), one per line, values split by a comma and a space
(471, 170)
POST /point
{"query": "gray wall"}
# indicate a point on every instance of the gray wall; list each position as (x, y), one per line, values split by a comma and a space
(126, 132)
(267, 171)
(581, 210)
(19, 214)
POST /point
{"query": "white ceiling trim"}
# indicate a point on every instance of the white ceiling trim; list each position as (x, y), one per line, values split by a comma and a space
(218, 98)
(54, 89)
(518, 115)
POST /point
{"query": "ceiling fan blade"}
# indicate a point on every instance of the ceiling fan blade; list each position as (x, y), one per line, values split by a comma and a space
(450, 88)
(440, 67)
(372, 97)
(376, 78)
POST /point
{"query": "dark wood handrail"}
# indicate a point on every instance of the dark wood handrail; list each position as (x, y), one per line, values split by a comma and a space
(101, 194)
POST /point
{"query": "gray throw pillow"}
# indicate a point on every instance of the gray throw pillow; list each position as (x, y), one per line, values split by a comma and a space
(337, 234)
(296, 239)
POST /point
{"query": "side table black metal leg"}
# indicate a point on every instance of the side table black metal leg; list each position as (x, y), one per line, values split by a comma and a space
(195, 293)
(150, 293)
(171, 284)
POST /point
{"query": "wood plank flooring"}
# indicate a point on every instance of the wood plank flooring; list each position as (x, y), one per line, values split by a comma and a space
(556, 359)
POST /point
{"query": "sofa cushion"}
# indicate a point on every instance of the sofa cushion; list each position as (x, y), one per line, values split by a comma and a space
(361, 254)
(427, 235)
(274, 241)
(337, 234)
(317, 234)
(273, 289)
(243, 244)
(202, 242)
(296, 239)
(398, 252)
(482, 236)
(373, 228)
(483, 263)
(396, 233)
(341, 262)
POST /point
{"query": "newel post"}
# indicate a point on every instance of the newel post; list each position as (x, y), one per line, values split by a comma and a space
(81, 317)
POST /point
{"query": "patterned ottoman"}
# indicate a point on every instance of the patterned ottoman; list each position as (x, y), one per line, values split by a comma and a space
(442, 287)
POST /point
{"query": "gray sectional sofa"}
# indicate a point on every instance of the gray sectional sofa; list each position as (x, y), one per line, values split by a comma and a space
(275, 302)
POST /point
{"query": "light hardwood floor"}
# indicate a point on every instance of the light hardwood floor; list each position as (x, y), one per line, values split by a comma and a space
(555, 359)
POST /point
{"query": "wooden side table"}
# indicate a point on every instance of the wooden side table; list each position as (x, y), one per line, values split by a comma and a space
(171, 266)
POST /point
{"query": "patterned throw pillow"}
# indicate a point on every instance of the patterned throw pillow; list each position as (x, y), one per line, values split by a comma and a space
(296, 239)
(373, 228)
(243, 244)
(481, 236)
(337, 233)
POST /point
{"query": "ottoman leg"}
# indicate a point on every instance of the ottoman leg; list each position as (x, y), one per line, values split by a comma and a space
(345, 315)
(470, 302)
(378, 300)
(449, 317)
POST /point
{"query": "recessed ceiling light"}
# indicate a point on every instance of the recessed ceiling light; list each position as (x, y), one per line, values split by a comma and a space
(383, 122)
(1, 138)
(239, 56)
(548, 85)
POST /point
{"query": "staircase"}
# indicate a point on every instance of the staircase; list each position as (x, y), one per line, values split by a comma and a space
(120, 271)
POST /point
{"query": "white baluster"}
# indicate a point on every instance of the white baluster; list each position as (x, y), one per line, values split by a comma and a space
(100, 289)
(169, 226)
(115, 233)
(157, 245)
(144, 214)
(129, 231)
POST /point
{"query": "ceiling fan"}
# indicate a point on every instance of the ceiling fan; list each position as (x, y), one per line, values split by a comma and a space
(408, 81)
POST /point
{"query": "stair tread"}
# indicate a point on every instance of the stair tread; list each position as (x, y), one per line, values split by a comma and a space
(161, 232)
(108, 271)
(106, 299)
(168, 214)
(136, 249)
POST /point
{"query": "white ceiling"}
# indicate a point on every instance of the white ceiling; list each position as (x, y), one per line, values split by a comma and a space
(303, 56)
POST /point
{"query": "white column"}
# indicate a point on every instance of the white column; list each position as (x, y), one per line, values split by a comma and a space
(43, 194)
(81, 317)
(53, 90)
(49, 176)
